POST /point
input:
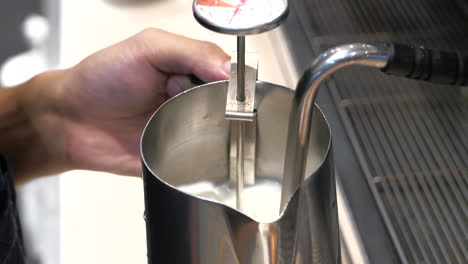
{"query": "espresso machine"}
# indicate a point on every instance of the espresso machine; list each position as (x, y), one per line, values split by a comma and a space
(242, 171)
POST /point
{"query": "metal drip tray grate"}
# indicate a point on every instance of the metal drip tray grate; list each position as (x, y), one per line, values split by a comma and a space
(411, 138)
(414, 141)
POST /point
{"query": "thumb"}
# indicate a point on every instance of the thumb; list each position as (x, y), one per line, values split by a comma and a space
(175, 54)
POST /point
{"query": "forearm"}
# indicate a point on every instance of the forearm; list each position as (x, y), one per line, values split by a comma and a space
(23, 113)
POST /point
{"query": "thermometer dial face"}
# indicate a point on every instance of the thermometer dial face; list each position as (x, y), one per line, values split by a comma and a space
(240, 17)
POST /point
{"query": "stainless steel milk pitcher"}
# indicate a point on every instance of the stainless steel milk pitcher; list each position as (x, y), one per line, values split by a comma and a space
(186, 153)
(186, 142)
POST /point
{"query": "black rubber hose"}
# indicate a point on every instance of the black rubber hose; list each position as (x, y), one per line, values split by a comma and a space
(437, 66)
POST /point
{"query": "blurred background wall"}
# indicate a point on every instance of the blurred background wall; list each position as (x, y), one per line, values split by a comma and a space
(29, 44)
(12, 14)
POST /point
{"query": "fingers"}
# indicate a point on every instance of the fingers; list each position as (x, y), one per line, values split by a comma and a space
(179, 55)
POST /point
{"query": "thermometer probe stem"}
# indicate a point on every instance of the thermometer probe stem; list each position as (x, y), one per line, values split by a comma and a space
(241, 68)
(241, 125)
(240, 165)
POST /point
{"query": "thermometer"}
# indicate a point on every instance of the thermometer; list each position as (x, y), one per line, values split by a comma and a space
(241, 18)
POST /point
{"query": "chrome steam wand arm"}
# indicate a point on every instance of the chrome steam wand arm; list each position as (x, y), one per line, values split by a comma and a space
(303, 104)
(413, 62)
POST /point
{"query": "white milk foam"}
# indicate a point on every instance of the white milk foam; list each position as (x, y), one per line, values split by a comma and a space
(261, 201)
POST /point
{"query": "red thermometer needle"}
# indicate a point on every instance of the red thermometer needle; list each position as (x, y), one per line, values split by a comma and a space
(237, 9)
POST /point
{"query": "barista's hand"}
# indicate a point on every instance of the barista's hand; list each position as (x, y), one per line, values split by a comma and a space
(91, 116)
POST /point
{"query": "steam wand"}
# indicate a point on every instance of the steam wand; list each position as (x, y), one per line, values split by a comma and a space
(396, 59)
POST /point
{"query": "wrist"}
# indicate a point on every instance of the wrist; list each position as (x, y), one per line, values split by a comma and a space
(15, 129)
(40, 145)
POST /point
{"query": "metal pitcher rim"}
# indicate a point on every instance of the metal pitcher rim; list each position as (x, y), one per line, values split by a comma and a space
(212, 201)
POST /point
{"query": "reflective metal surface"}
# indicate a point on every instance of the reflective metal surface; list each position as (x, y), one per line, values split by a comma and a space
(249, 139)
(187, 142)
(302, 105)
(240, 166)
(239, 111)
(242, 109)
